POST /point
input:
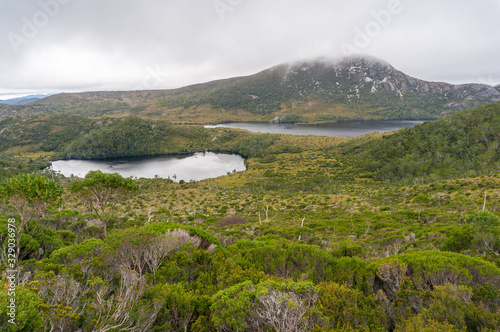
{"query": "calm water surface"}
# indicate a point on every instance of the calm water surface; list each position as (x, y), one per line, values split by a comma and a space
(339, 129)
(207, 165)
(200, 166)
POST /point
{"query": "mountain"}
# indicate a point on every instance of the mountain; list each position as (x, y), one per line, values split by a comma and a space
(23, 100)
(320, 90)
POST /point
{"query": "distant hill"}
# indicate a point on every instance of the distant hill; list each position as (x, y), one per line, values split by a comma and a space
(320, 90)
(23, 100)
(461, 144)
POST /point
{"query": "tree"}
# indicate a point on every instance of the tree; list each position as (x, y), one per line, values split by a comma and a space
(460, 238)
(178, 308)
(487, 227)
(63, 298)
(115, 306)
(421, 200)
(100, 192)
(28, 196)
(142, 249)
(27, 308)
(287, 306)
(232, 308)
(421, 324)
(280, 306)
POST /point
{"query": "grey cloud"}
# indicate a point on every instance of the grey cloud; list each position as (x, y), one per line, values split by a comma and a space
(116, 44)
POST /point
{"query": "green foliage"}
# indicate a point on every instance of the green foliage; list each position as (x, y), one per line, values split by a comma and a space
(69, 128)
(27, 317)
(284, 306)
(344, 306)
(487, 230)
(421, 324)
(232, 307)
(291, 118)
(100, 191)
(12, 165)
(68, 237)
(463, 142)
(68, 136)
(137, 237)
(452, 304)
(459, 239)
(178, 310)
(334, 273)
(483, 221)
(123, 137)
(33, 189)
(428, 269)
(256, 146)
(84, 260)
(39, 243)
(99, 181)
(421, 199)
(27, 196)
(85, 250)
(298, 261)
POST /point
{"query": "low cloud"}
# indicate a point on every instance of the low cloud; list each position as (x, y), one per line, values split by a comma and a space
(81, 45)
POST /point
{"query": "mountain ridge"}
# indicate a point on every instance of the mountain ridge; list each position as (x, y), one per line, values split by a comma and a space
(313, 91)
(23, 100)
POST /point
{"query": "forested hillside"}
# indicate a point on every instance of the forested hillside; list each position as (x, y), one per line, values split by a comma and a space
(384, 232)
(465, 143)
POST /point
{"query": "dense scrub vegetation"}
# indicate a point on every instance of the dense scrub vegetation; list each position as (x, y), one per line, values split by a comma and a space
(463, 143)
(318, 234)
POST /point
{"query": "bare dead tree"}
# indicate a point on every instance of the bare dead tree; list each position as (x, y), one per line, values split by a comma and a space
(302, 225)
(64, 299)
(114, 312)
(286, 311)
(147, 257)
(158, 249)
(391, 274)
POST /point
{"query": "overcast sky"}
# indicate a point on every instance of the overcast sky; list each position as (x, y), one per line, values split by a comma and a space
(51, 46)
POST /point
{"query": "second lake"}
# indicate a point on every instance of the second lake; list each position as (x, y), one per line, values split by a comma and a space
(340, 129)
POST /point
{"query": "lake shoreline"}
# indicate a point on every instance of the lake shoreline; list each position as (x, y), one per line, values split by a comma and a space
(348, 128)
(191, 167)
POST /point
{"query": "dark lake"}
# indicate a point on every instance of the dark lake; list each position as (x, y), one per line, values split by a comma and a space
(206, 165)
(200, 166)
(339, 129)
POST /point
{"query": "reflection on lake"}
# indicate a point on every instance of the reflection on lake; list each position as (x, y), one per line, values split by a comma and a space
(339, 129)
(200, 166)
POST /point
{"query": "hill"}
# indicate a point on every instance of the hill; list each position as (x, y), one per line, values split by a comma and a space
(23, 100)
(315, 91)
(459, 144)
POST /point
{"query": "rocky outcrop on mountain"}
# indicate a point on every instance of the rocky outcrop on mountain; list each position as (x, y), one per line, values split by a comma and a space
(364, 80)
